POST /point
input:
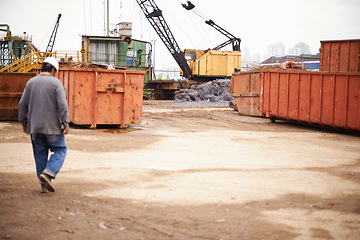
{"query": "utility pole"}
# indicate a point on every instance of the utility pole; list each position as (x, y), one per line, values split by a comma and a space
(108, 25)
(153, 63)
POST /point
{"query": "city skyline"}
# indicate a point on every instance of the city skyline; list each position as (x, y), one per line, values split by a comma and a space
(277, 49)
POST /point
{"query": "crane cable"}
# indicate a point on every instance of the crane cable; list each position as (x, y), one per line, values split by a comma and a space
(52, 27)
(176, 22)
(191, 7)
(200, 29)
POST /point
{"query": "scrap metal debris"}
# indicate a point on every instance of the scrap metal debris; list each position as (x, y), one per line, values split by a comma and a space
(89, 65)
(289, 65)
(217, 91)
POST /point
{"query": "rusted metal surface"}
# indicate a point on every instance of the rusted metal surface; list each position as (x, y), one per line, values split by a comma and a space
(340, 56)
(319, 98)
(103, 97)
(245, 88)
(99, 97)
(330, 97)
(11, 88)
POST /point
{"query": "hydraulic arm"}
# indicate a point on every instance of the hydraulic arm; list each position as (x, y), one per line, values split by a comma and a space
(157, 21)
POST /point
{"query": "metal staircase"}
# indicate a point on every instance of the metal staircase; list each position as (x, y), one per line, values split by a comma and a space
(26, 63)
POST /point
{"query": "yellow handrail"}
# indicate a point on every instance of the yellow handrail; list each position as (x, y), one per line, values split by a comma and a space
(35, 58)
(30, 59)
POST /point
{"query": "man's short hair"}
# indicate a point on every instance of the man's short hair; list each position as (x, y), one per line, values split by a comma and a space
(47, 67)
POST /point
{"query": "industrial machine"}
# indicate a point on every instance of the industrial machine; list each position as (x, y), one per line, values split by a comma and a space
(18, 54)
(12, 47)
(198, 65)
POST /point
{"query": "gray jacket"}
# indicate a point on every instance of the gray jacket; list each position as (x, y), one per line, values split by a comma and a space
(43, 106)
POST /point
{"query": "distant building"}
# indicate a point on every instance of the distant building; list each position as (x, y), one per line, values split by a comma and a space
(307, 61)
(276, 49)
(245, 54)
(247, 57)
(248, 61)
(294, 58)
(299, 49)
(256, 57)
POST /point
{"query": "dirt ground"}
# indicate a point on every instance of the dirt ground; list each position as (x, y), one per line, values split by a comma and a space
(186, 172)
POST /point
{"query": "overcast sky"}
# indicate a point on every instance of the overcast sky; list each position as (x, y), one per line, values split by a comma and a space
(257, 22)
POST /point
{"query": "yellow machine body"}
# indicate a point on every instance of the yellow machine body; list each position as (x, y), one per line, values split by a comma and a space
(212, 63)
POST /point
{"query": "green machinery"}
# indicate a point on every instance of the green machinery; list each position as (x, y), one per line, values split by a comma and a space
(121, 52)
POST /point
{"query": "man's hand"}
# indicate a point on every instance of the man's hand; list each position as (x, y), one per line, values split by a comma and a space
(24, 128)
(66, 130)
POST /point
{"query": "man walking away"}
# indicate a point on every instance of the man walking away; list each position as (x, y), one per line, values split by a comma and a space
(44, 114)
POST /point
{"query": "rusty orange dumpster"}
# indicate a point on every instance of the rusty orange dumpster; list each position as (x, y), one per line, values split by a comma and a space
(103, 97)
(319, 98)
(329, 98)
(340, 56)
(245, 88)
(11, 88)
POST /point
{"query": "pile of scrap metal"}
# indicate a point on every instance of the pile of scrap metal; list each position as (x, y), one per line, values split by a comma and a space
(90, 65)
(216, 92)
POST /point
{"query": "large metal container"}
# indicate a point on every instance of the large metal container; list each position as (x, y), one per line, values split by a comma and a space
(103, 97)
(245, 88)
(319, 98)
(340, 56)
(11, 88)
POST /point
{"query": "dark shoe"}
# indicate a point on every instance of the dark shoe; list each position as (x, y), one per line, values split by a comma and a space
(46, 180)
(43, 189)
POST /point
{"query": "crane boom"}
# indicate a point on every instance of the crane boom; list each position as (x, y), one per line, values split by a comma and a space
(157, 21)
(50, 45)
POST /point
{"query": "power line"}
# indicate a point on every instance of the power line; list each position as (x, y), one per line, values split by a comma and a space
(90, 18)
(52, 27)
(84, 16)
(179, 26)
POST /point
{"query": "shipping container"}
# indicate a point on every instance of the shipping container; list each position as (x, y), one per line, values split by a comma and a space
(329, 99)
(103, 97)
(11, 88)
(340, 56)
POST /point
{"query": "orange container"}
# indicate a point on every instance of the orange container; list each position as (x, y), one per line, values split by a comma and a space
(340, 56)
(103, 97)
(330, 97)
(11, 88)
(245, 88)
(320, 98)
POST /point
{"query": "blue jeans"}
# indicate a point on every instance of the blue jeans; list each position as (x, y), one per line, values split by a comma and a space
(41, 144)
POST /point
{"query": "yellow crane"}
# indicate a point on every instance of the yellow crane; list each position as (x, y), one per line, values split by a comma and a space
(198, 65)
